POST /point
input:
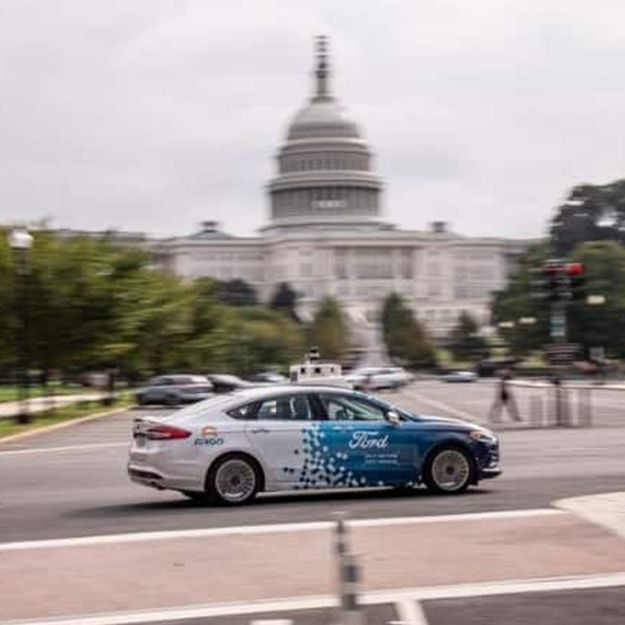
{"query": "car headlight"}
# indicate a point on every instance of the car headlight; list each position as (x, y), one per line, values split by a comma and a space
(483, 436)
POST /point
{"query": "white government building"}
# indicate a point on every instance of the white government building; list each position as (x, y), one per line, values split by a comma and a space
(326, 235)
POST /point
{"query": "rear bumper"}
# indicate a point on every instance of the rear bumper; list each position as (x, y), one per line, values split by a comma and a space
(146, 477)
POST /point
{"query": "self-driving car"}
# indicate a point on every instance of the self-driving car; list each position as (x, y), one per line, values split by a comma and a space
(281, 438)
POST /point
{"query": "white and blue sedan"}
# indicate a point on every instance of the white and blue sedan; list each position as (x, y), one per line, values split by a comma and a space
(229, 447)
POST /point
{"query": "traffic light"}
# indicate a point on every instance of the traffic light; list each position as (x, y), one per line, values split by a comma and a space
(577, 280)
(550, 282)
(557, 281)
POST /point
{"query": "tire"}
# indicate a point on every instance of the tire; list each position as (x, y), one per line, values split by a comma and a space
(141, 400)
(233, 480)
(448, 470)
(171, 400)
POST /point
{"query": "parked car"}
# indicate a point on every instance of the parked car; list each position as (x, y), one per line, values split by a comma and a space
(174, 389)
(283, 438)
(376, 378)
(460, 376)
(268, 377)
(225, 383)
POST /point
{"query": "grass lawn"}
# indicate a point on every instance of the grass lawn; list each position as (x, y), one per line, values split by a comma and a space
(8, 426)
(10, 393)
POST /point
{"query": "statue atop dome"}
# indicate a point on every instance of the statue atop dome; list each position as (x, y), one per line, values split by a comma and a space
(322, 71)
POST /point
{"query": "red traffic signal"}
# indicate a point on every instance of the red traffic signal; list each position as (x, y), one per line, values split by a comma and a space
(575, 269)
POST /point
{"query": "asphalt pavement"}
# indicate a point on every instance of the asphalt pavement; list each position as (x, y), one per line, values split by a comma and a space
(73, 482)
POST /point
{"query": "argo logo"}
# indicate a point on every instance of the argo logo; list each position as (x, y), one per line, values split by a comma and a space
(208, 431)
(209, 437)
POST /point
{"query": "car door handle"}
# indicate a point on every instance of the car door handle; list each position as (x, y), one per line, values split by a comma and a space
(260, 431)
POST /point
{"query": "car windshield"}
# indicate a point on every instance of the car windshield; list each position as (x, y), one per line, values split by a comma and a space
(410, 416)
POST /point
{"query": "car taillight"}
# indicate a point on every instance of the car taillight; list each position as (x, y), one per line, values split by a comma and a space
(166, 432)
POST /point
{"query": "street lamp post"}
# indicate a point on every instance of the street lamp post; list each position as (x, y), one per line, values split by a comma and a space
(20, 241)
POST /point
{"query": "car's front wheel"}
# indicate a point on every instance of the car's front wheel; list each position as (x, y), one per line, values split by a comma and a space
(448, 470)
(234, 480)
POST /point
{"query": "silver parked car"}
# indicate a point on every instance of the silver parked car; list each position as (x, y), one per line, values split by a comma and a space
(376, 378)
(174, 389)
(460, 376)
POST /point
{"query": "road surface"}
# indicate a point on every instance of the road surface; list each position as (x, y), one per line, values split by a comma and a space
(72, 483)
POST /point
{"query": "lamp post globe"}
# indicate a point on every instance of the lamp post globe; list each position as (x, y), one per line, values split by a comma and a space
(20, 239)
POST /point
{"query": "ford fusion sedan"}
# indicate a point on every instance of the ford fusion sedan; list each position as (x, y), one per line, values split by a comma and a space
(232, 446)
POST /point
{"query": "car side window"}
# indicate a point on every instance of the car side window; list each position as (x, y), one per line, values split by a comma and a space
(242, 412)
(286, 408)
(348, 408)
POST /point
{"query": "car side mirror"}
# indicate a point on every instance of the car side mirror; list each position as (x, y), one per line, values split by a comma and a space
(393, 418)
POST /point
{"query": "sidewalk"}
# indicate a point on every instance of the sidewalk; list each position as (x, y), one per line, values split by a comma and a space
(9, 409)
(169, 569)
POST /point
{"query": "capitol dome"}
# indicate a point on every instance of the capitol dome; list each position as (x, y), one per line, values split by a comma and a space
(321, 119)
(324, 167)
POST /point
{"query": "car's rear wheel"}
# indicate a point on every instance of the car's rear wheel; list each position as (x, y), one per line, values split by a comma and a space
(234, 480)
(448, 470)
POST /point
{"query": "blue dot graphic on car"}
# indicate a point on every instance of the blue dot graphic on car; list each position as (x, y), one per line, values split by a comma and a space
(322, 467)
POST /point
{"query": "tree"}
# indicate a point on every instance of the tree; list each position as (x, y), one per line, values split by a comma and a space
(590, 213)
(405, 338)
(604, 325)
(285, 300)
(329, 330)
(515, 302)
(601, 326)
(236, 293)
(465, 341)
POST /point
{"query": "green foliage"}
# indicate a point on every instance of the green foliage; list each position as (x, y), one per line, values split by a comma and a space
(515, 303)
(590, 213)
(405, 338)
(604, 325)
(329, 330)
(465, 342)
(285, 300)
(95, 305)
(235, 293)
(590, 326)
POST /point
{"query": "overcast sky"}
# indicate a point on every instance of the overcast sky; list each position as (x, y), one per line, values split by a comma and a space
(153, 115)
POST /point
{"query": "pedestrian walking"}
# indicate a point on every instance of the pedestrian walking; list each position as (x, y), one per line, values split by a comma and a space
(504, 399)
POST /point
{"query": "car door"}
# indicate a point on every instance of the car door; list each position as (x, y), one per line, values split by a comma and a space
(279, 433)
(361, 447)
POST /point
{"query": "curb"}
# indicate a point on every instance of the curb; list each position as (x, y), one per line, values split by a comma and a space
(60, 426)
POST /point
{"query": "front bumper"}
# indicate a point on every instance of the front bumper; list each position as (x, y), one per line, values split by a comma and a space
(490, 472)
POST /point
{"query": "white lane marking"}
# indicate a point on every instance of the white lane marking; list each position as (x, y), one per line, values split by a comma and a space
(410, 612)
(606, 509)
(274, 621)
(421, 593)
(447, 518)
(439, 405)
(47, 450)
(277, 528)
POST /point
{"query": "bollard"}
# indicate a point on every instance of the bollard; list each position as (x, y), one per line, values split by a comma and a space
(340, 530)
(351, 612)
(349, 575)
